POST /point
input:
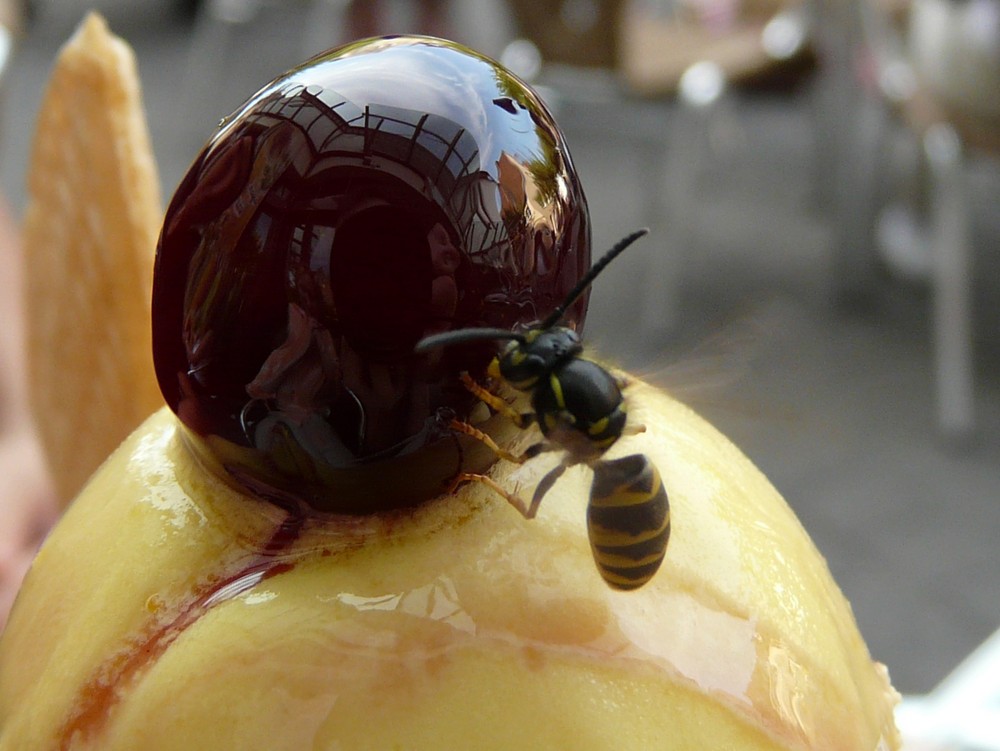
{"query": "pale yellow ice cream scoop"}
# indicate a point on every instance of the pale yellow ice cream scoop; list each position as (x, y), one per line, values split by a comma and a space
(156, 618)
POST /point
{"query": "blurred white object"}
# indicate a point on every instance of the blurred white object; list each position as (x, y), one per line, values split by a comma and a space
(963, 712)
(903, 241)
(523, 57)
(7, 20)
(702, 84)
(786, 34)
(5, 45)
(955, 49)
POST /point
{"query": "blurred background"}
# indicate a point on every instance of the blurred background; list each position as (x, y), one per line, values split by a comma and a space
(822, 182)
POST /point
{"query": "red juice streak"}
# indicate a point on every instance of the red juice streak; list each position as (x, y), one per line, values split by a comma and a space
(112, 679)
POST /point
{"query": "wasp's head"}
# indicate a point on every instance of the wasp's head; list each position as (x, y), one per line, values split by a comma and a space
(522, 363)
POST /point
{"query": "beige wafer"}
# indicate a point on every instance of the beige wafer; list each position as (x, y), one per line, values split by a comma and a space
(89, 237)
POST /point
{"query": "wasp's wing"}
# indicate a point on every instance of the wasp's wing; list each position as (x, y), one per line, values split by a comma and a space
(714, 372)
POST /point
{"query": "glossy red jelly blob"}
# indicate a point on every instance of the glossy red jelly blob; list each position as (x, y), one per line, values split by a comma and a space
(384, 191)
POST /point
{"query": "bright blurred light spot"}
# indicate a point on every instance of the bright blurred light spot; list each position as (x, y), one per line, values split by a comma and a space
(523, 58)
(5, 44)
(897, 81)
(702, 83)
(942, 143)
(784, 36)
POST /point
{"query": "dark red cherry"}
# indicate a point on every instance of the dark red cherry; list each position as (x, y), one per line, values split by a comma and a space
(384, 191)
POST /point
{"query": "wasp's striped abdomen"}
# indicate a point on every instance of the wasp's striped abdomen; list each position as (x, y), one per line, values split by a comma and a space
(628, 520)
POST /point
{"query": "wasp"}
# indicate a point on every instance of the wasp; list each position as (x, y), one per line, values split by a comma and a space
(580, 409)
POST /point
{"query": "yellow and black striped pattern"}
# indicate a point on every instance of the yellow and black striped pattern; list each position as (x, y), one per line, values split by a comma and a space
(518, 365)
(628, 520)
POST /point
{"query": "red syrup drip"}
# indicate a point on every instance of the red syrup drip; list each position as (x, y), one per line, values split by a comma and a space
(112, 679)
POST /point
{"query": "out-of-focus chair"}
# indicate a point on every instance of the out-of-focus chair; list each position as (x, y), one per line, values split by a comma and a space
(659, 73)
(935, 64)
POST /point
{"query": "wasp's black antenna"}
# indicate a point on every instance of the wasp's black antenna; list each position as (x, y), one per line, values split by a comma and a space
(464, 336)
(589, 277)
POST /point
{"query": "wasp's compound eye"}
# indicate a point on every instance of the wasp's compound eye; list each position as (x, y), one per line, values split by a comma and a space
(385, 191)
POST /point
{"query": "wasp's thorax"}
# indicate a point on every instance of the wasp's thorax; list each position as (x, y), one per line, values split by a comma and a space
(522, 363)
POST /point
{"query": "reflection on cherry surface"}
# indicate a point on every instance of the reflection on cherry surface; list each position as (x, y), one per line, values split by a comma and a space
(387, 190)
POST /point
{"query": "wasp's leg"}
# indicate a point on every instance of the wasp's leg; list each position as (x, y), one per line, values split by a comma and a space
(544, 486)
(622, 381)
(520, 419)
(528, 512)
(464, 427)
(489, 482)
(634, 429)
(473, 432)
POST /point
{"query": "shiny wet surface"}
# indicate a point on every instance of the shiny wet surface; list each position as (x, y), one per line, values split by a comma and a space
(375, 195)
(531, 598)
